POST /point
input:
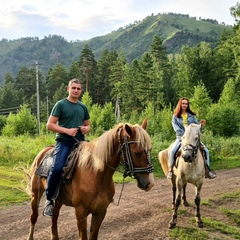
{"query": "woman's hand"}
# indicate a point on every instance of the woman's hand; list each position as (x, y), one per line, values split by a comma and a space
(202, 122)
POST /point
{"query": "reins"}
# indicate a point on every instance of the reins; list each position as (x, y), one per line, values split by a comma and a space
(130, 170)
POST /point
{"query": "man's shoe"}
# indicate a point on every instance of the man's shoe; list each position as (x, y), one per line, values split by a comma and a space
(169, 175)
(48, 209)
(212, 175)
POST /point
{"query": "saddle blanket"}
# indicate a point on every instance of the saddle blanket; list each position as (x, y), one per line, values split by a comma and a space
(68, 170)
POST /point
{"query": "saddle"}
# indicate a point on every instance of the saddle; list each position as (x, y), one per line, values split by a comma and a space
(68, 170)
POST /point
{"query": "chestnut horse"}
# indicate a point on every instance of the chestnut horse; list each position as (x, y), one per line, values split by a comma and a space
(189, 168)
(92, 188)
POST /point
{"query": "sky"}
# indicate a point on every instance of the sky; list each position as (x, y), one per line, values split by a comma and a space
(85, 19)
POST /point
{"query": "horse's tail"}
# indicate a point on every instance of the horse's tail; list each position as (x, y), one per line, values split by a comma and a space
(163, 160)
(30, 172)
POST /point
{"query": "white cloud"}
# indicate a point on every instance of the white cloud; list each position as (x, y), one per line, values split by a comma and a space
(84, 19)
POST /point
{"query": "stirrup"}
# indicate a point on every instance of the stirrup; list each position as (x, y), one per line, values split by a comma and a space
(212, 175)
(48, 209)
(169, 175)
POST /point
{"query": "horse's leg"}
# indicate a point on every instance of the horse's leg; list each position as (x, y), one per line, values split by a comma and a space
(184, 197)
(197, 202)
(173, 222)
(96, 224)
(54, 228)
(173, 191)
(81, 216)
(37, 191)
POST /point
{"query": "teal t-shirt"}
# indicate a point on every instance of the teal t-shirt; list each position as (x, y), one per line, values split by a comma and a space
(71, 115)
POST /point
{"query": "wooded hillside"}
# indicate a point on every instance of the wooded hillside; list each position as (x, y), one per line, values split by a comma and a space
(176, 30)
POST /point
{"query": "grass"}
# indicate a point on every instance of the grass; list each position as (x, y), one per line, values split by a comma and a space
(11, 187)
(214, 228)
(188, 233)
(214, 225)
(234, 215)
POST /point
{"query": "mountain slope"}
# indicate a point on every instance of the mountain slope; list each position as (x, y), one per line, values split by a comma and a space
(175, 30)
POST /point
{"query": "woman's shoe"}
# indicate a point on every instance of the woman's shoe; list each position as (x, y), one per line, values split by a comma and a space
(169, 175)
(212, 175)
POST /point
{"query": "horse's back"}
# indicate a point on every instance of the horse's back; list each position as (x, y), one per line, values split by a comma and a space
(163, 159)
(40, 156)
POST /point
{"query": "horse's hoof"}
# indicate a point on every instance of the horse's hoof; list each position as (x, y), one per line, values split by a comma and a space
(200, 224)
(171, 225)
(186, 204)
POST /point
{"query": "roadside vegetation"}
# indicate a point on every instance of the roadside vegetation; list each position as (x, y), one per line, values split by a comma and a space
(18, 153)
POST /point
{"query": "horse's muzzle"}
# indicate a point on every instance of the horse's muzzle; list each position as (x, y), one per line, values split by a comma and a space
(188, 157)
(145, 181)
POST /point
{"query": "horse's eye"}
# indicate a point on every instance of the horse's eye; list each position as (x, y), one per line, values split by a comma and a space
(138, 154)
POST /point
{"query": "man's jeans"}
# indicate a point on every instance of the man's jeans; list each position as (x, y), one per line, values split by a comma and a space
(61, 152)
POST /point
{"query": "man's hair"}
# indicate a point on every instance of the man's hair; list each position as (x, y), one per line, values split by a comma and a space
(74, 80)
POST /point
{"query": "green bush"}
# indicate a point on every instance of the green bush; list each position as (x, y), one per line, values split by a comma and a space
(21, 123)
(107, 118)
(3, 121)
(223, 120)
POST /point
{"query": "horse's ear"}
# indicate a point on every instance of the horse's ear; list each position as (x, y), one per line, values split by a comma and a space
(144, 123)
(128, 129)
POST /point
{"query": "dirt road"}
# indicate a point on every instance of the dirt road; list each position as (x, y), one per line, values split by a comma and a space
(140, 215)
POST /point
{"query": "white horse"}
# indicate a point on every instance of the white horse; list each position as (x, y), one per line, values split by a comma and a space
(189, 168)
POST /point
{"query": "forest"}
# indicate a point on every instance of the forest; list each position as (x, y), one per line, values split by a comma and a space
(149, 86)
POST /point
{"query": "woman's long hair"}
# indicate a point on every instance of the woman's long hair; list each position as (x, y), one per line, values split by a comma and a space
(178, 109)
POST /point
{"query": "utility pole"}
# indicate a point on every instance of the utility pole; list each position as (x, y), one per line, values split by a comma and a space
(47, 108)
(37, 91)
(117, 109)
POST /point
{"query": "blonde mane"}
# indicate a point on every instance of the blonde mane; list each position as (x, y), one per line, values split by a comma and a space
(97, 153)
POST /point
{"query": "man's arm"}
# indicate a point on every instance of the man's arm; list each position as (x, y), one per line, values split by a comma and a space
(54, 127)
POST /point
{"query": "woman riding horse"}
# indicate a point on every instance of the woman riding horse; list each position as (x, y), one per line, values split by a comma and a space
(182, 117)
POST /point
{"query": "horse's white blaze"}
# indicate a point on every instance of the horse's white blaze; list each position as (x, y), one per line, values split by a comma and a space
(151, 180)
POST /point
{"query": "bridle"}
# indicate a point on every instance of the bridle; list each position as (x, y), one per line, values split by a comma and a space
(191, 148)
(130, 170)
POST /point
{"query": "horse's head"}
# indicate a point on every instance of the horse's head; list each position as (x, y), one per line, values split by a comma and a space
(135, 147)
(190, 142)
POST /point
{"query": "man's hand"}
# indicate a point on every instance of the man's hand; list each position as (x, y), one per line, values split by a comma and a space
(72, 132)
(84, 129)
